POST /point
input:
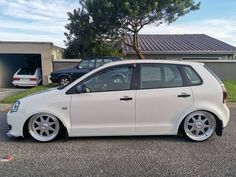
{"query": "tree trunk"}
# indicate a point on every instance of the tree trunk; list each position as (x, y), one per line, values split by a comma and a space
(136, 46)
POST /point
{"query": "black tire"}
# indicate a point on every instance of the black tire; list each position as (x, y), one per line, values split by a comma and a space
(64, 80)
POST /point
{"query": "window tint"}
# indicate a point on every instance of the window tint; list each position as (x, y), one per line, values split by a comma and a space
(113, 79)
(106, 60)
(160, 76)
(27, 71)
(192, 75)
(87, 63)
(99, 62)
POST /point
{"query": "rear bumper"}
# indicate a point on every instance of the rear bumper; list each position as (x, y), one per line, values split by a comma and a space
(25, 84)
(223, 120)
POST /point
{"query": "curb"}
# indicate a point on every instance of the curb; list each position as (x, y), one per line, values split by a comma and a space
(5, 107)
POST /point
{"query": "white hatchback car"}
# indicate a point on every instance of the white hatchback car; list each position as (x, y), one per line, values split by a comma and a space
(27, 77)
(135, 97)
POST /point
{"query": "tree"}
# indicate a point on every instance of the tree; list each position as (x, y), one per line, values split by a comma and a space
(114, 19)
(81, 39)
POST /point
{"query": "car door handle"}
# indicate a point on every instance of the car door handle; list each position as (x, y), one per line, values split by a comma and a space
(184, 95)
(126, 98)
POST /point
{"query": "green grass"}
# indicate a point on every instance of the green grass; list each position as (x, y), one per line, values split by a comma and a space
(229, 84)
(231, 89)
(21, 94)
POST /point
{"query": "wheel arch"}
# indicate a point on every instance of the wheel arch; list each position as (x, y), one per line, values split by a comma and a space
(219, 123)
(63, 127)
(64, 75)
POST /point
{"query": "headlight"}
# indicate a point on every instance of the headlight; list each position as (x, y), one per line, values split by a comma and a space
(15, 106)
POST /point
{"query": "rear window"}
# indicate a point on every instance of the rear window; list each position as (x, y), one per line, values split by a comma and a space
(192, 76)
(27, 71)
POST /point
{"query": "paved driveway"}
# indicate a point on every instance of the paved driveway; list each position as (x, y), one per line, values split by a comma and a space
(120, 156)
(5, 92)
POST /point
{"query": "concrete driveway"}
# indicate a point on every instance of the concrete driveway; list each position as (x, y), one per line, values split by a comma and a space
(120, 156)
(5, 92)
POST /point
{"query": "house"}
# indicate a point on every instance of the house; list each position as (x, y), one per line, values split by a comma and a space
(14, 55)
(181, 47)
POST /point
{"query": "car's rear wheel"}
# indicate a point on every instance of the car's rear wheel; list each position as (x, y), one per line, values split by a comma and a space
(43, 127)
(199, 125)
(64, 80)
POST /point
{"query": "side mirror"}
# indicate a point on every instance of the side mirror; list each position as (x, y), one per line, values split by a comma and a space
(77, 66)
(82, 89)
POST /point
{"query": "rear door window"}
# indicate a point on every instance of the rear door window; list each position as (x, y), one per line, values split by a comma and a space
(160, 76)
(99, 62)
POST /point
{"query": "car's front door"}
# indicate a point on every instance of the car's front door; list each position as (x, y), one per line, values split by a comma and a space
(108, 106)
(162, 97)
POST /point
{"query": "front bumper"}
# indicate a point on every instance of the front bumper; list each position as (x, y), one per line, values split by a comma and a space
(16, 122)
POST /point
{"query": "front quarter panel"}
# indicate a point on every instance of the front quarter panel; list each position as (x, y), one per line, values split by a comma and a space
(56, 103)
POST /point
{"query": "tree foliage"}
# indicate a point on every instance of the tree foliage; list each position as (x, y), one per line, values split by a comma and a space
(109, 20)
(82, 41)
(115, 18)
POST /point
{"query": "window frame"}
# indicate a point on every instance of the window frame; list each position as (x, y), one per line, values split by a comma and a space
(133, 84)
(78, 65)
(184, 84)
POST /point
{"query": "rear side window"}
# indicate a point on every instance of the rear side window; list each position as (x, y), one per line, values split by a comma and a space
(160, 76)
(192, 76)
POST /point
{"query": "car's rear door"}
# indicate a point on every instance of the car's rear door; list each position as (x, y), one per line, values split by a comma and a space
(162, 97)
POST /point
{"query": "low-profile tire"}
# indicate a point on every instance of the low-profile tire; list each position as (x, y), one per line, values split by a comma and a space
(64, 80)
(43, 127)
(199, 125)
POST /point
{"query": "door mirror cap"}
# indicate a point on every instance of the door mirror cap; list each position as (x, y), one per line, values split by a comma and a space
(82, 89)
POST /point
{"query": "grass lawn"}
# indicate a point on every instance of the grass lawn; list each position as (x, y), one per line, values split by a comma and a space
(19, 95)
(231, 89)
(230, 86)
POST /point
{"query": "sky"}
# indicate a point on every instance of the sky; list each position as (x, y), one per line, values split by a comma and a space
(45, 20)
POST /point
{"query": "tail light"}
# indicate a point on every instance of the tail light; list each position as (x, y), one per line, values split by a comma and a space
(16, 78)
(224, 94)
(33, 79)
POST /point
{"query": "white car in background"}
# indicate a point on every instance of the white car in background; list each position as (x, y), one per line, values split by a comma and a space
(27, 77)
(134, 97)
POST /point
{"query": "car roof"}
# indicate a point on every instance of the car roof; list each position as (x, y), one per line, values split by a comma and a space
(152, 61)
(102, 57)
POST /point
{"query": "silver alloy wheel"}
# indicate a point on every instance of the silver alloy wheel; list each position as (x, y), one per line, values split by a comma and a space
(64, 81)
(199, 125)
(43, 127)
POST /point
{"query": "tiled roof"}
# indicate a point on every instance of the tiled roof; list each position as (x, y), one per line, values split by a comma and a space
(180, 43)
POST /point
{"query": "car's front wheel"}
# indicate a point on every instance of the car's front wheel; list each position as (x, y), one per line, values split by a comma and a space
(199, 125)
(64, 80)
(43, 127)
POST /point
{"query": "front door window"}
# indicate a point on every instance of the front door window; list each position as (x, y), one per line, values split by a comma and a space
(112, 79)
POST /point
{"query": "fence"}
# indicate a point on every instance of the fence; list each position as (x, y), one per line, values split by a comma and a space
(225, 69)
(65, 63)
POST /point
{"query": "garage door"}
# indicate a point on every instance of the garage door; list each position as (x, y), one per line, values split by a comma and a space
(10, 63)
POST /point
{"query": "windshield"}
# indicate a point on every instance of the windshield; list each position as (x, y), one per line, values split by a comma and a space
(87, 64)
(26, 71)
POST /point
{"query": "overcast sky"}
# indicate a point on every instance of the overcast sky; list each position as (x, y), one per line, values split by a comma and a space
(44, 20)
